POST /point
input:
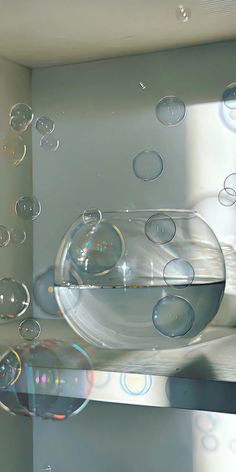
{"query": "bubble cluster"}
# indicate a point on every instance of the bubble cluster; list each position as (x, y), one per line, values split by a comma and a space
(49, 143)
(17, 236)
(96, 249)
(28, 208)
(148, 165)
(14, 298)
(4, 236)
(21, 116)
(178, 273)
(183, 14)
(29, 329)
(170, 111)
(44, 125)
(44, 294)
(160, 228)
(10, 367)
(135, 384)
(173, 316)
(15, 150)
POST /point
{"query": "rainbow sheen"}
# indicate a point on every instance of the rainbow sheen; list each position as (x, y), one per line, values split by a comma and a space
(14, 299)
(28, 208)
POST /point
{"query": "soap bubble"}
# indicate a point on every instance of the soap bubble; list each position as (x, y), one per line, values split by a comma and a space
(178, 273)
(14, 299)
(21, 116)
(160, 228)
(209, 443)
(92, 216)
(135, 384)
(95, 249)
(29, 329)
(15, 149)
(28, 208)
(229, 96)
(10, 367)
(148, 165)
(44, 125)
(44, 292)
(17, 236)
(173, 316)
(230, 182)
(4, 236)
(170, 111)
(227, 197)
(205, 422)
(183, 14)
(49, 143)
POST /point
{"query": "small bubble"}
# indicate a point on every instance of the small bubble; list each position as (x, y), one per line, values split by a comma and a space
(148, 165)
(44, 125)
(29, 329)
(17, 236)
(160, 228)
(14, 298)
(178, 273)
(183, 14)
(170, 111)
(229, 96)
(92, 216)
(230, 182)
(4, 236)
(21, 116)
(28, 208)
(209, 443)
(227, 197)
(173, 316)
(49, 143)
(15, 150)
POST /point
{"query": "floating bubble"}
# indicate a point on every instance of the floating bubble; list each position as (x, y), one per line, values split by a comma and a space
(135, 384)
(209, 443)
(14, 299)
(21, 116)
(183, 14)
(49, 143)
(28, 208)
(44, 125)
(17, 236)
(10, 367)
(29, 329)
(170, 111)
(96, 249)
(229, 96)
(160, 228)
(15, 149)
(44, 294)
(92, 216)
(173, 316)
(205, 422)
(178, 273)
(4, 236)
(230, 183)
(148, 165)
(227, 196)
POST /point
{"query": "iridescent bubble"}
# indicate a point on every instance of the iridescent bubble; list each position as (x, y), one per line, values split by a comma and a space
(178, 273)
(92, 216)
(44, 125)
(10, 367)
(17, 236)
(173, 316)
(135, 384)
(44, 294)
(28, 208)
(49, 143)
(229, 96)
(170, 111)
(209, 443)
(15, 149)
(230, 182)
(95, 249)
(29, 329)
(14, 299)
(21, 116)
(227, 197)
(148, 165)
(4, 236)
(160, 228)
(183, 14)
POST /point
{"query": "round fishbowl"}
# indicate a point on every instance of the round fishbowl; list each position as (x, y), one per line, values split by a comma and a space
(48, 379)
(143, 279)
